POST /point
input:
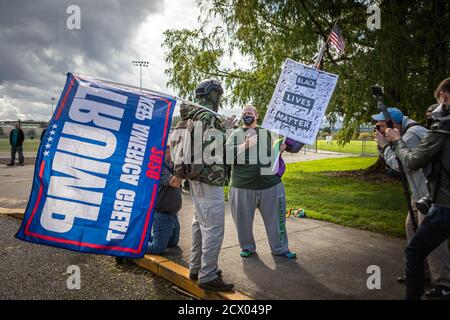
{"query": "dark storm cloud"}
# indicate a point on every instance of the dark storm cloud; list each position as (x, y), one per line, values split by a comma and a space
(37, 49)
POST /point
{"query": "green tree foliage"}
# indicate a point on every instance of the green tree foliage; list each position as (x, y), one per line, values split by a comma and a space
(409, 55)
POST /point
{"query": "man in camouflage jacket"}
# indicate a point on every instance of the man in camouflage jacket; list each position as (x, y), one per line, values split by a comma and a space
(207, 190)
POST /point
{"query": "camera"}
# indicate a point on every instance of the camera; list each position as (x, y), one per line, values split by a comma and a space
(377, 91)
(424, 205)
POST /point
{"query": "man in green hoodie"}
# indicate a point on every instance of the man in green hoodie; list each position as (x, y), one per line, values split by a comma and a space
(433, 156)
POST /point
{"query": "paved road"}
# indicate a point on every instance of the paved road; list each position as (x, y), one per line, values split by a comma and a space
(30, 271)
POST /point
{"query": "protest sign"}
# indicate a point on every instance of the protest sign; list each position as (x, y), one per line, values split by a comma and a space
(98, 168)
(299, 101)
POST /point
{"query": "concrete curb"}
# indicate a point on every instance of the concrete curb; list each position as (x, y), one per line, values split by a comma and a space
(179, 275)
(164, 268)
(13, 212)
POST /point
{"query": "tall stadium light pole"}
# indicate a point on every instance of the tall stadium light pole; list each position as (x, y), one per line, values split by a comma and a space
(141, 64)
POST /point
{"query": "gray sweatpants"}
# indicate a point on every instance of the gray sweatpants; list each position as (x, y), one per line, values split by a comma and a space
(438, 260)
(207, 229)
(271, 202)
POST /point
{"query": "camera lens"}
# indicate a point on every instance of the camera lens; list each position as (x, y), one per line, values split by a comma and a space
(423, 205)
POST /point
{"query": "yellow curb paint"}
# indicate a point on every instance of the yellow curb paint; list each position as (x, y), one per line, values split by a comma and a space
(179, 276)
(166, 269)
(12, 211)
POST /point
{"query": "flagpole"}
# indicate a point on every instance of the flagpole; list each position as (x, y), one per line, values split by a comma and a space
(86, 78)
(323, 47)
(320, 55)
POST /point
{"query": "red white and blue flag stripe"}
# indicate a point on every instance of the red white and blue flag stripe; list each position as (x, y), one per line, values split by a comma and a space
(98, 169)
(337, 39)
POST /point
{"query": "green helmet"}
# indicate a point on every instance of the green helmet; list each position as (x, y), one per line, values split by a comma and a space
(209, 91)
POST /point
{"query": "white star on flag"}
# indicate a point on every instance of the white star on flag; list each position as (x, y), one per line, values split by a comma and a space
(52, 132)
(54, 126)
(48, 145)
(46, 153)
(50, 139)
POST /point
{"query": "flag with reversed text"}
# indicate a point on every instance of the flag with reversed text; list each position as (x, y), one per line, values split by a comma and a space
(98, 167)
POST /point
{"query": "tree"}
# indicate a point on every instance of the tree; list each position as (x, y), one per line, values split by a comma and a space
(409, 55)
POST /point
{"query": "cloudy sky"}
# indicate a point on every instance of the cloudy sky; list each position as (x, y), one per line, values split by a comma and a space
(37, 49)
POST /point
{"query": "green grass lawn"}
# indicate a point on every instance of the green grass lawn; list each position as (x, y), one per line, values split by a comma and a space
(349, 201)
(28, 145)
(354, 147)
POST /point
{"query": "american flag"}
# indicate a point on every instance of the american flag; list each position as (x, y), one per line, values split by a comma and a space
(337, 40)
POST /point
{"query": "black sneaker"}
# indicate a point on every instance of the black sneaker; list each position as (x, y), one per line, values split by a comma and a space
(438, 292)
(194, 276)
(217, 285)
(10, 164)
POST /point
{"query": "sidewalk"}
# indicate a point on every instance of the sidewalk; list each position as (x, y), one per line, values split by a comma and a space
(310, 155)
(332, 260)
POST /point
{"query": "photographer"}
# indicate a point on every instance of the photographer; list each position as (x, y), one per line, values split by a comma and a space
(433, 156)
(411, 134)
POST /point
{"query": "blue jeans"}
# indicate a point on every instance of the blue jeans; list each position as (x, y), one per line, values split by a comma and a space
(165, 232)
(434, 229)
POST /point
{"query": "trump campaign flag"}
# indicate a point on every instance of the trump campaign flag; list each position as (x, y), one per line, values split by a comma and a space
(98, 167)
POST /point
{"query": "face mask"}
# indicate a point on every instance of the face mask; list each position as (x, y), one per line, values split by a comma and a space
(248, 120)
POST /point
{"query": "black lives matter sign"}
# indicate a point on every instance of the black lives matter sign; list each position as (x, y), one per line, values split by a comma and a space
(299, 102)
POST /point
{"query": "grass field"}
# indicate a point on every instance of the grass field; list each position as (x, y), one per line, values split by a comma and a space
(349, 201)
(28, 145)
(354, 147)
